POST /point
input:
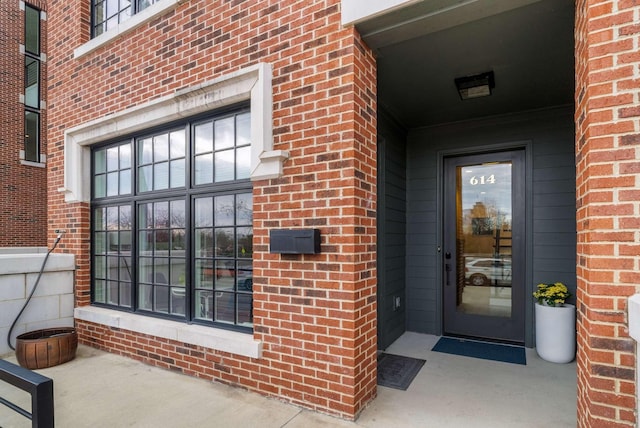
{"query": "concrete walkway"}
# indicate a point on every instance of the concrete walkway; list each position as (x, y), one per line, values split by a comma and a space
(98, 389)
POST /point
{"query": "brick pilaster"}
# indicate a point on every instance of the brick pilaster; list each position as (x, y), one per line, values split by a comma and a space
(608, 205)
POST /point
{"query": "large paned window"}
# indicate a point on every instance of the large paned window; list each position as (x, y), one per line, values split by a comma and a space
(32, 84)
(107, 14)
(223, 256)
(112, 260)
(172, 220)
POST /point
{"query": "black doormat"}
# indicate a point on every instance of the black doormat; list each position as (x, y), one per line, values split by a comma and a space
(483, 350)
(396, 371)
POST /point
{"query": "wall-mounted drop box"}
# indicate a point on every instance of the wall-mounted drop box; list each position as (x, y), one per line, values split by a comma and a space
(294, 241)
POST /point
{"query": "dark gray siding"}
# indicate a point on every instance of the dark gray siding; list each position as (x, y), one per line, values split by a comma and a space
(391, 239)
(551, 231)
(554, 210)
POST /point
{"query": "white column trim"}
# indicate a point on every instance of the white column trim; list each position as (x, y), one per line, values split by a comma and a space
(355, 11)
(633, 306)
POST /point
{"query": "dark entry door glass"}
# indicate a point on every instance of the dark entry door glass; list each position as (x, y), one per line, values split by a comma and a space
(483, 257)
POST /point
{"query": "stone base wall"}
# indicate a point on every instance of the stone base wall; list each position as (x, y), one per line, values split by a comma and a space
(52, 302)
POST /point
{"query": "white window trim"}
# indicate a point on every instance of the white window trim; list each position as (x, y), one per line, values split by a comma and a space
(123, 28)
(213, 338)
(42, 162)
(36, 164)
(252, 83)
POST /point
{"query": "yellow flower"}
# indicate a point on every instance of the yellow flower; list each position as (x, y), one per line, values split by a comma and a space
(552, 294)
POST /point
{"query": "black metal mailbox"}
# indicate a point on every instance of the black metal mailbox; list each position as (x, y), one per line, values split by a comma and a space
(295, 241)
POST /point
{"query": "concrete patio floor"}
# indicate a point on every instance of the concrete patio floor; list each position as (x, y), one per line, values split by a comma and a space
(98, 389)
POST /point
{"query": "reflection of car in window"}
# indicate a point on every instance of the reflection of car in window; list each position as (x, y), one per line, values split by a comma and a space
(486, 272)
(227, 270)
(246, 283)
(225, 304)
(244, 279)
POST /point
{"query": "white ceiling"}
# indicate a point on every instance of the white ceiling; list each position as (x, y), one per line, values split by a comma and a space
(529, 48)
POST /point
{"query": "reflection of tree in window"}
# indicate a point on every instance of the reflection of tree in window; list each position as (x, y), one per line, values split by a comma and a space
(225, 209)
(224, 243)
(244, 209)
(177, 214)
(482, 226)
(485, 219)
(245, 242)
(221, 234)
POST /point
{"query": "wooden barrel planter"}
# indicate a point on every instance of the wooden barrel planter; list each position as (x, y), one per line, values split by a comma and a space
(49, 347)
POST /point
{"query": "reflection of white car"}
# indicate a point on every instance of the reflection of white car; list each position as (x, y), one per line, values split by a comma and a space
(245, 280)
(488, 272)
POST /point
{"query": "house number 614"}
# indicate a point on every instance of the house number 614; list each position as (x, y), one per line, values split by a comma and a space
(483, 179)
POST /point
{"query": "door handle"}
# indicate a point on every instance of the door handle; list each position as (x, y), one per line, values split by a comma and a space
(447, 267)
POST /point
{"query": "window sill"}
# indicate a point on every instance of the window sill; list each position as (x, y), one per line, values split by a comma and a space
(130, 24)
(36, 164)
(207, 337)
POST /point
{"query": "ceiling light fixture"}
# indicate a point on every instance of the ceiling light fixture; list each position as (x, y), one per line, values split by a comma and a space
(475, 86)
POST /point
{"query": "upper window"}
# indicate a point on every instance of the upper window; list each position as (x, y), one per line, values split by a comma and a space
(32, 136)
(112, 171)
(32, 84)
(222, 150)
(173, 222)
(32, 30)
(161, 161)
(107, 14)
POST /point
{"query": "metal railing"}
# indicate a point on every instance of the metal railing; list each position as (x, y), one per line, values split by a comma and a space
(41, 390)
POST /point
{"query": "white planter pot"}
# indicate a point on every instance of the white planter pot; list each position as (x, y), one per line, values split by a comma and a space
(556, 333)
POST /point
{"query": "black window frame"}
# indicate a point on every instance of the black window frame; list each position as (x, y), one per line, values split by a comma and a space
(135, 7)
(188, 193)
(32, 145)
(29, 9)
(28, 61)
(32, 148)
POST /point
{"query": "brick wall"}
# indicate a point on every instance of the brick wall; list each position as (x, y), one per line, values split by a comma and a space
(23, 194)
(316, 314)
(608, 205)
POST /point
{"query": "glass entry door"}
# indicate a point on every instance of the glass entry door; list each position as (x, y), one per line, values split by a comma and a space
(483, 257)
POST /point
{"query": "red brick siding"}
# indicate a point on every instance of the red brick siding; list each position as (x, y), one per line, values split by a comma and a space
(316, 314)
(23, 189)
(607, 126)
(189, 359)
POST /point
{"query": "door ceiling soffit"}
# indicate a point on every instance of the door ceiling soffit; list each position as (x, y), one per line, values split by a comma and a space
(428, 17)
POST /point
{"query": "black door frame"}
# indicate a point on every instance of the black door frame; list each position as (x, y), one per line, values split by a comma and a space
(526, 146)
